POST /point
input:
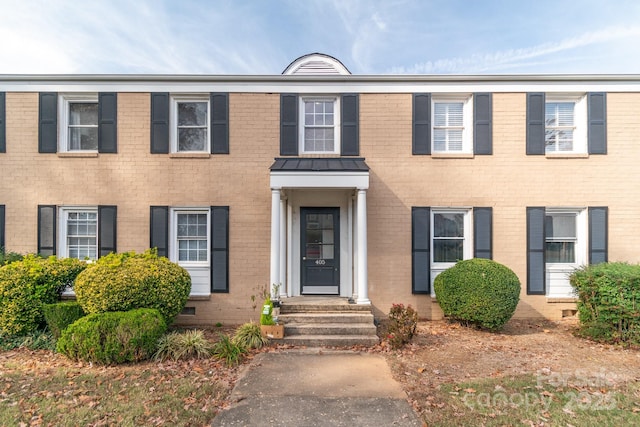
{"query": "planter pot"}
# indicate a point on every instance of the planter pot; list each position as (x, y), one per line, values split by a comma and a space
(272, 331)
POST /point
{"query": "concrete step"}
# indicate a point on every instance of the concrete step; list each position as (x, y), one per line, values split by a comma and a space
(330, 340)
(286, 308)
(327, 317)
(356, 329)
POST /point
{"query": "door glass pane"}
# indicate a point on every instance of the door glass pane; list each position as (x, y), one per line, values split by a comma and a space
(319, 236)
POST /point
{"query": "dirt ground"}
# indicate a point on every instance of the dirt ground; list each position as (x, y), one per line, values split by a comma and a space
(444, 352)
(441, 353)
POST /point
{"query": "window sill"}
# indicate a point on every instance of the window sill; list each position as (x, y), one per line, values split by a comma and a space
(200, 297)
(83, 155)
(452, 155)
(567, 155)
(189, 155)
(558, 300)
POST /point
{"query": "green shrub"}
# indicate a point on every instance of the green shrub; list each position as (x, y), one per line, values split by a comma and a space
(402, 325)
(28, 284)
(60, 315)
(122, 282)
(8, 257)
(184, 345)
(609, 302)
(266, 317)
(228, 351)
(249, 335)
(478, 292)
(113, 337)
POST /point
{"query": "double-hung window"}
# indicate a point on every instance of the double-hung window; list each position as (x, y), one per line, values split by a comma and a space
(452, 125)
(79, 122)
(565, 248)
(79, 233)
(191, 236)
(320, 130)
(565, 124)
(191, 118)
(450, 239)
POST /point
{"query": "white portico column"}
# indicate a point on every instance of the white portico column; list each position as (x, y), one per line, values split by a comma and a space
(275, 238)
(363, 285)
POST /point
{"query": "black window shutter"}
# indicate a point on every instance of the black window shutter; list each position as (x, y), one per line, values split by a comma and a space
(159, 226)
(47, 230)
(535, 123)
(2, 227)
(219, 123)
(421, 123)
(107, 229)
(48, 123)
(288, 124)
(598, 234)
(483, 233)
(536, 272)
(597, 117)
(219, 248)
(159, 123)
(107, 122)
(421, 250)
(3, 126)
(350, 137)
(483, 123)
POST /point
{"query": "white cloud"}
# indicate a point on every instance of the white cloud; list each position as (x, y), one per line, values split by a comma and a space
(526, 57)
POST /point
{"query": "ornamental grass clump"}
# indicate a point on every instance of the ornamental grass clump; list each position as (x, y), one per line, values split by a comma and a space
(184, 345)
(227, 350)
(126, 281)
(478, 292)
(250, 336)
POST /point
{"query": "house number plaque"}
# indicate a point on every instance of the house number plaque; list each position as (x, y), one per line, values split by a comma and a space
(320, 262)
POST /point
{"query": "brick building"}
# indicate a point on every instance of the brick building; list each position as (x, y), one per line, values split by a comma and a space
(358, 186)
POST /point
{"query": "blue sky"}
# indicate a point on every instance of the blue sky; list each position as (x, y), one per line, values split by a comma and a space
(368, 36)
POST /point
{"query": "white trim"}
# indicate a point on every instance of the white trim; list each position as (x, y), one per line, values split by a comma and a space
(467, 245)
(580, 121)
(64, 101)
(63, 216)
(336, 122)
(575, 83)
(200, 272)
(467, 121)
(311, 179)
(173, 120)
(557, 279)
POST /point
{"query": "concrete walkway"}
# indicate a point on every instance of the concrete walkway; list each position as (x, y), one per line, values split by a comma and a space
(316, 387)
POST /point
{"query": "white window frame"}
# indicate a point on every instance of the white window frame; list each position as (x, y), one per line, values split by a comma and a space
(580, 247)
(63, 215)
(64, 101)
(180, 98)
(336, 122)
(467, 245)
(467, 122)
(173, 245)
(579, 121)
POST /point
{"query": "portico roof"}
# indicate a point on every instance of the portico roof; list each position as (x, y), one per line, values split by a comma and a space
(321, 164)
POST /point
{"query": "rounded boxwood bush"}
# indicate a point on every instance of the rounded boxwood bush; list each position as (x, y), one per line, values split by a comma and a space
(123, 282)
(60, 315)
(478, 292)
(26, 285)
(113, 337)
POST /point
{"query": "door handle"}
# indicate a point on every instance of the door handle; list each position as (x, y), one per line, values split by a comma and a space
(304, 258)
